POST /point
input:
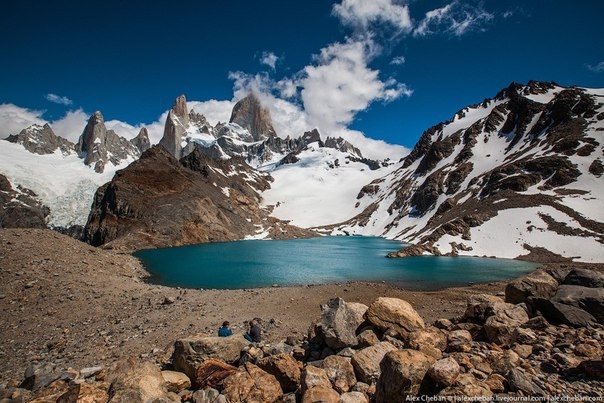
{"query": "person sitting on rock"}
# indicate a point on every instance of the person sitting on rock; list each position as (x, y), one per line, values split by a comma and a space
(225, 329)
(254, 334)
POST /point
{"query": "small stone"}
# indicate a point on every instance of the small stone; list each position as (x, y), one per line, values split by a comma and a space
(444, 372)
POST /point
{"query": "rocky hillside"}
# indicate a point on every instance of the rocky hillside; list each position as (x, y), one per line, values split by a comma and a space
(20, 207)
(158, 201)
(516, 173)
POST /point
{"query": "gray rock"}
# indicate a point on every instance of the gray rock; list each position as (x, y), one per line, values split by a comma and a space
(589, 299)
(340, 372)
(284, 368)
(313, 377)
(366, 362)
(353, 397)
(90, 372)
(500, 327)
(585, 278)
(339, 321)
(444, 372)
(209, 395)
(459, 340)
(562, 313)
(519, 381)
(251, 115)
(42, 140)
(175, 127)
(141, 141)
(538, 284)
(480, 306)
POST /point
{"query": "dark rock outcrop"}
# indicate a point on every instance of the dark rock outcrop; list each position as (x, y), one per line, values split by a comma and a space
(42, 140)
(20, 208)
(251, 115)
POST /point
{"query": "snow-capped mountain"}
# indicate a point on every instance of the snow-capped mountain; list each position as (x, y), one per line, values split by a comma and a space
(517, 174)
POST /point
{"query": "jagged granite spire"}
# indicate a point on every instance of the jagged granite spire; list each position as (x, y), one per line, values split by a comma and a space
(41, 140)
(141, 141)
(251, 115)
(91, 144)
(176, 125)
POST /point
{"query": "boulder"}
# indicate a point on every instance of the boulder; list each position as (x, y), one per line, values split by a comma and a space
(394, 314)
(176, 381)
(366, 362)
(340, 320)
(285, 369)
(519, 381)
(208, 395)
(589, 299)
(353, 397)
(252, 384)
(479, 307)
(537, 284)
(430, 340)
(322, 394)
(190, 352)
(133, 382)
(500, 327)
(585, 278)
(593, 369)
(459, 340)
(444, 372)
(467, 386)
(367, 338)
(211, 373)
(312, 377)
(402, 373)
(562, 313)
(340, 372)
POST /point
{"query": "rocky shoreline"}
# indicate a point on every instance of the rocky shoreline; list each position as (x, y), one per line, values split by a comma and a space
(87, 315)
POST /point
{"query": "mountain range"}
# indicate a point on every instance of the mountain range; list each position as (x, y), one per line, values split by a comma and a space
(519, 174)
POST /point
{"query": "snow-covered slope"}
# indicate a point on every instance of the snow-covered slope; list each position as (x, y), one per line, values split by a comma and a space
(518, 172)
(62, 182)
(319, 189)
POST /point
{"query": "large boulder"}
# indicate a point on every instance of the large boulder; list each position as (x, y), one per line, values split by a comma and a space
(394, 314)
(285, 369)
(252, 384)
(585, 278)
(500, 327)
(402, 373)
(136, 382)
(444, 372)
(366, 362)
(321, 394)
(340, 320)
(211, 373)
(190, 352)
(313, 377)
(480, 306)
(431, 341)
(562, 313)
(590, 299)
(538, 284)
(176, 381)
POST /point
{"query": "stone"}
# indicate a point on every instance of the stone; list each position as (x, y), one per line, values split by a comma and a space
(394, 314)
(313, 377)
(285, 369)
(366, 362)
(208, 395)
(443, 324)
(538, 284)
(523, 350)
(519, 381)
(211, 373)
(444, 372)
(353, 397)
(320, 394)
(467, 386)
(589, 299)
(40, 375)
(89, 372)
(402, 373)
(495, 383)
(499, 328)
(134, 382)
(584, 278)
(459, 340)
(251, 384)
(176, 381)
(592, 368)
(479, 307)
(431, 341)
(339, 321)
(562, 313)
(367, 338)
(175, 127)
(502, 361)
(190, 352)
(524, 336)
(340, 372)
(591, 351)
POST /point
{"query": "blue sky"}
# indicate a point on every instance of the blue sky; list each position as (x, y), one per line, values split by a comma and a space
(389, 69)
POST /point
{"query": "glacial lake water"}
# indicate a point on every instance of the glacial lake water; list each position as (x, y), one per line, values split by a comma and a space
(257, 263)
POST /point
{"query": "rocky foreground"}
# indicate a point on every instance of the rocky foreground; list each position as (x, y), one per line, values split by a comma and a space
(81, 325)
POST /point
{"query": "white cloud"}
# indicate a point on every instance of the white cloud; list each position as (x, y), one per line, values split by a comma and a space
(269, 59)
(361, 14)
(598, 68)
(397, 61)
(341, 84)
(456, 18)
(57, 99)
(71, 125)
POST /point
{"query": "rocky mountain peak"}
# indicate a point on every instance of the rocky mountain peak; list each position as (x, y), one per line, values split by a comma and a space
(180, 107)
(41, 140)
(176, 125)
(141, 141)
(251, 115)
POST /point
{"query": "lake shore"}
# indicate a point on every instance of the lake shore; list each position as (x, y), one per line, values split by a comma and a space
(73, 305)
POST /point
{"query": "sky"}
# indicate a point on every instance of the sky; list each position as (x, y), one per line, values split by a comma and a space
(377, 72)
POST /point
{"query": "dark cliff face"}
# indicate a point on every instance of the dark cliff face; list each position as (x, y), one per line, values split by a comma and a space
(251, 115)
(158, 201)
(20, 208)
(42, 140)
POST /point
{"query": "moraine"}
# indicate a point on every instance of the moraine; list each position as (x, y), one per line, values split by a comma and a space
(256, 263)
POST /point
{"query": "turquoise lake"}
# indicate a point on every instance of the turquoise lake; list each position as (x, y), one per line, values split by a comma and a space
(255, 263)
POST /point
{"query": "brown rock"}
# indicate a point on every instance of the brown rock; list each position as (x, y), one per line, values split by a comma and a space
(444, 372)
(340, 372)
(467, 386)
(211, 373)
(251, 384)
(495, 383)
(285, 369)
(402, 373)
(500, 327)
(366, 362)
(536, 284)
(353, 397)
(314, 377)
(320, 394)
(176, 381)
(134, 382)
(394, 314)
(459, 340)
(339, 321)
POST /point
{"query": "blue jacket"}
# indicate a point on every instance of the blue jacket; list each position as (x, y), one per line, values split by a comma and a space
(224, 331)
